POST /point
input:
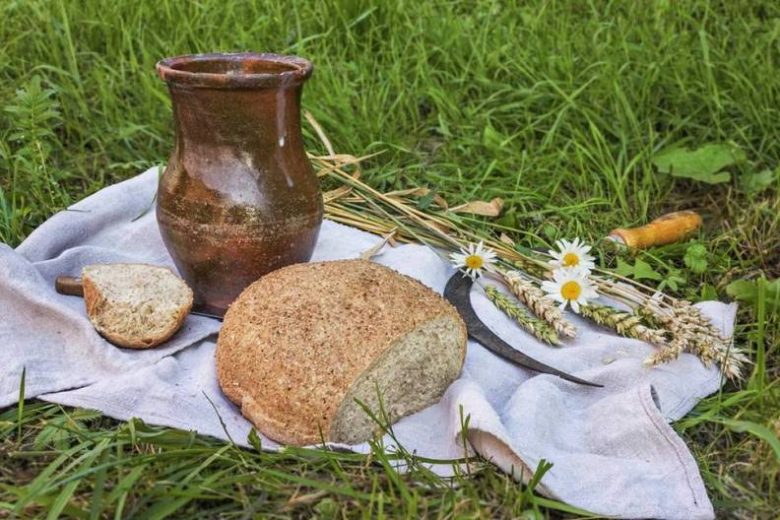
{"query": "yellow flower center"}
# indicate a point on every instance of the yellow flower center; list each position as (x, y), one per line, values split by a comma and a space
(570, 260)
(571, 290)
(474, 262)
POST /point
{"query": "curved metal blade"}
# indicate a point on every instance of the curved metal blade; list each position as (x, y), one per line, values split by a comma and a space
(207, 315)
(458, 293)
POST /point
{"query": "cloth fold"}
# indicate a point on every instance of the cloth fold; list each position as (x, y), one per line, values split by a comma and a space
(612, 449)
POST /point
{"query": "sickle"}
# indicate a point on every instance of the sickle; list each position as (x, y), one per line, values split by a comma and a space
(458, 293)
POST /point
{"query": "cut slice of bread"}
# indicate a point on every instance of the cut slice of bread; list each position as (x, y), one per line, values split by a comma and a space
(305, 348)
(135, 305)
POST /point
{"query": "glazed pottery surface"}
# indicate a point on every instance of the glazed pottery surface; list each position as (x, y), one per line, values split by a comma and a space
(238, 198)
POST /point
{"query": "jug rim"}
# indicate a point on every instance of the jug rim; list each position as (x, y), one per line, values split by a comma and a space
(234, 70)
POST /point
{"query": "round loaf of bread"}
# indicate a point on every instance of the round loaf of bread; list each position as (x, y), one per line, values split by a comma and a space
(304, 349)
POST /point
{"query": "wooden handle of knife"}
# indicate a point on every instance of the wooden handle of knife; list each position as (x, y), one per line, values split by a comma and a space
(666, 229)
(69, 285)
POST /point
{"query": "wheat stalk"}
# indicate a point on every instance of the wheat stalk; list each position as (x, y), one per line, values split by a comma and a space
(539, 328)
(624, 323)
(534, 298)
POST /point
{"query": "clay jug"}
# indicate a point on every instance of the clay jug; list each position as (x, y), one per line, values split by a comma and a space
(238, 198)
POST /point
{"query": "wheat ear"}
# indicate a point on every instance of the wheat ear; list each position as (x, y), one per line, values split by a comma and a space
(624, 323)
(539, 328)
(693, 332)
(534, 298)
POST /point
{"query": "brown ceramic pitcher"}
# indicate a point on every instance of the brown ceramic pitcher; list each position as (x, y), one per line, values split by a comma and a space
(238, 198)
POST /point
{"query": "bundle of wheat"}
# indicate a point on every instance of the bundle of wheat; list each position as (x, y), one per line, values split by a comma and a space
(673, 326)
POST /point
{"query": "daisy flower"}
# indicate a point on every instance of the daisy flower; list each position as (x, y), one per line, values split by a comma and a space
(473, 259)
(571, 255)
(570, 287)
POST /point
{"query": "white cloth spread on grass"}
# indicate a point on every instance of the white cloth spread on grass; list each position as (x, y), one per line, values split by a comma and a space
(612, 448)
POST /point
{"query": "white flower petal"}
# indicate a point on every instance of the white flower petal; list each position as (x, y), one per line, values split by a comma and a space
(559, 275)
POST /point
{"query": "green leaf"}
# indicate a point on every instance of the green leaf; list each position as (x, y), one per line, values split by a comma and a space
(20, 406)
(492, 138)
(508, 219)
(757, 430)
(550, 231)
(254, 440)
(747, 291)
(327, 508)
(702, 164)
(755, 182)
(696, 258)
(624, 268)
(673, 280)
(426, 200)
(708, 292)
(62, 500)
(641, 270)
(744, 290)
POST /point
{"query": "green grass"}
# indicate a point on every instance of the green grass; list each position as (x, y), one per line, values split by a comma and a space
(557, 107)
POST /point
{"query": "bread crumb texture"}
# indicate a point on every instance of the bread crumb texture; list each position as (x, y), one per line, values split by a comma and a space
(135, 305)
(297, 341)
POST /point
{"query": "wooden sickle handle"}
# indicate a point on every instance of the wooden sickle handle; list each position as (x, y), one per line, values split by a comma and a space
(69, 285)
(666, 229)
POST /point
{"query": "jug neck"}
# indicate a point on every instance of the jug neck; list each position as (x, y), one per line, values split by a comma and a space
(238, 117)
(242, 99)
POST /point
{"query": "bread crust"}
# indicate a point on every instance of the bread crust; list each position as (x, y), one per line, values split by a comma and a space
(295, 341)
(95, 302)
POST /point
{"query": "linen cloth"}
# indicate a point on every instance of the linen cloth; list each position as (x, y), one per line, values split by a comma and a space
(613, 450)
